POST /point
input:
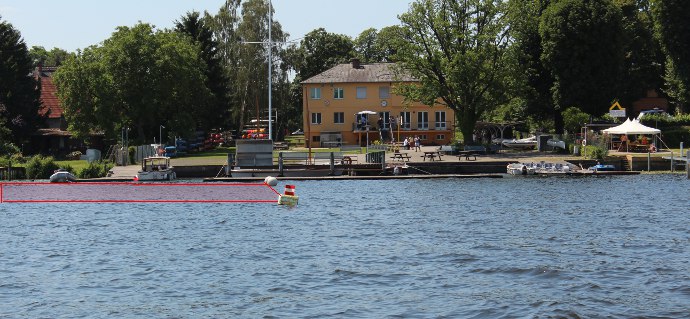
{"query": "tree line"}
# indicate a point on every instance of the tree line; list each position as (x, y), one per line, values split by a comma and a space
(492, 60)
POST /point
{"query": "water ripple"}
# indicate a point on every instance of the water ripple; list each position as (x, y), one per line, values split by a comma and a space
(510, 248)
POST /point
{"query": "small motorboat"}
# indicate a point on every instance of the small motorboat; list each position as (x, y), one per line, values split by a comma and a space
(62, 176)
(521, 169)
(525, 143)
(156, 168)
(602, 168)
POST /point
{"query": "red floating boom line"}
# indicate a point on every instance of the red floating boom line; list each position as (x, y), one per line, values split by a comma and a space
(111, 192)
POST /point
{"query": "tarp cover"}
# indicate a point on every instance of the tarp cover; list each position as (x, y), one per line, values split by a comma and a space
(631, 127)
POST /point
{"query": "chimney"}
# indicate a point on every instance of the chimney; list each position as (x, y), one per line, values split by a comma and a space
(355, 63)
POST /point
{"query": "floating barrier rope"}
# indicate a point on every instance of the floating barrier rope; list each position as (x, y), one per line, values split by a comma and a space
(96, 192)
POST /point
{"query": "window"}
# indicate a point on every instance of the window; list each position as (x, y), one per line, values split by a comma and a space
(338, 93)
(440, 137)
(338, 118)
(422, 120)
(315, 118)
(386, 119)
(316, 138)
(361, 92)
(406, 119)
(384, 92)
(440, 120)
(315, 93)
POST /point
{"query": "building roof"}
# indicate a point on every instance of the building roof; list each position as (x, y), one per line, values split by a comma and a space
(359, 73)
(49, 97)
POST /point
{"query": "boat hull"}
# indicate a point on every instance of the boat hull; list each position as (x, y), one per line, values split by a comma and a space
(164, 175)
(63, 177)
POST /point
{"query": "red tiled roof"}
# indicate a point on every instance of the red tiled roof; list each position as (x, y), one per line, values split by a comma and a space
(49, 94)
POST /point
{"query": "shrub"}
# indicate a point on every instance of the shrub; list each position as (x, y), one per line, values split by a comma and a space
(96, 169)
(39, 167)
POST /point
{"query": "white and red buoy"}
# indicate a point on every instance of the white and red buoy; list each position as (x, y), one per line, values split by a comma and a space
(288, 197)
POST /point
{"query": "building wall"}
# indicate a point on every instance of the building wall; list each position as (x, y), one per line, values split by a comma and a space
(348, 105)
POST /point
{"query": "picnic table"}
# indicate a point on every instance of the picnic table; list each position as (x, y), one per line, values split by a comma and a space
(401, 157)
(467, 154)
(432, 155)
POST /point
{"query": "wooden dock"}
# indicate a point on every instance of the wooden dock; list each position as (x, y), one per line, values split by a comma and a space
(347, 177)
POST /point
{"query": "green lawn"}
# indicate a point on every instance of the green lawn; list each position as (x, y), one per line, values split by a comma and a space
(77, 165)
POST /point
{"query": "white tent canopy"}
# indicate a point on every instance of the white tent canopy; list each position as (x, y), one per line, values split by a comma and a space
(632, 127)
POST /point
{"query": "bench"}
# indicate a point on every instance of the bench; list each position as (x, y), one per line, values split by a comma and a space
(432, 155)
(401, 157)
(467, 154)
(478, 149)
(447, 149)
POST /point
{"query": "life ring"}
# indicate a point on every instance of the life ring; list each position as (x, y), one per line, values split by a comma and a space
(347, 160)
(584, 142)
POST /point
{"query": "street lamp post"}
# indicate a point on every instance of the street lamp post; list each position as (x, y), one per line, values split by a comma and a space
(160, 135)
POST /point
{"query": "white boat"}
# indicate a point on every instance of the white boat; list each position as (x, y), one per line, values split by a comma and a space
(525, 143)
(520, 169)
(62, 176)
(541, 168)
(156, 168)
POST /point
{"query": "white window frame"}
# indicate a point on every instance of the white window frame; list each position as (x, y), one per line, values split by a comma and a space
(422, 120)
(440, 120)
(315, 93)
(406, 118)
(338, 93)
(338, 117)
(316, 118)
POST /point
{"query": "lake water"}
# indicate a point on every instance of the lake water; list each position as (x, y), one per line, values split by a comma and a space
(608, 247)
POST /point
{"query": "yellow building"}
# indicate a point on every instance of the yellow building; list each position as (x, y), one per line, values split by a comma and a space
(335, 105)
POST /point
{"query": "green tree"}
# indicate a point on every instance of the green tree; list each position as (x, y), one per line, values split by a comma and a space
(321, 50)
(139, 78)
(673, 30)
(386, 40)
(54, 57)
(643, 60)
(243, 43)
(19, 91)
(366, 47)
(199, 29)
(586, 69)
(458, 52)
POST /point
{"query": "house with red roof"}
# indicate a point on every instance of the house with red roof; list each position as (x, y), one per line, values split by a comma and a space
(53, 139)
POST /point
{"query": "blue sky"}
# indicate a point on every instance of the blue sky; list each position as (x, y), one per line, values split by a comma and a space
(76, 24)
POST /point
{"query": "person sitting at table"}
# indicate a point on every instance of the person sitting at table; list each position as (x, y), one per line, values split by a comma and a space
(624, 143)
(644, 140)
(652, 148)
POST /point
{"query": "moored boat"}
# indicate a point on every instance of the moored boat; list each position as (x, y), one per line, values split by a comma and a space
(525, 143)
(156, 168)
(62, 176)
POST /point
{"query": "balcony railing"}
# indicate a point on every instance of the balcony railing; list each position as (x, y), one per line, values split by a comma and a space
(427, 126)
